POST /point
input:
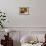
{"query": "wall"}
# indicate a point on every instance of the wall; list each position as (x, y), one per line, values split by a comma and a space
(36, 19)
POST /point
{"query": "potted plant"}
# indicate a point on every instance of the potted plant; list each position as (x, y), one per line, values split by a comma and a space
(2, 19)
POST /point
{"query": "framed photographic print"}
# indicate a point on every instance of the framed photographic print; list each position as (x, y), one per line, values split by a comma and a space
(24, 10)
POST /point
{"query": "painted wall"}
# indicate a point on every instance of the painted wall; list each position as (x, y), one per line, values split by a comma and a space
(36, 19)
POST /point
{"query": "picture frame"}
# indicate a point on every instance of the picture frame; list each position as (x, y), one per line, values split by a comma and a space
(24, 10)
